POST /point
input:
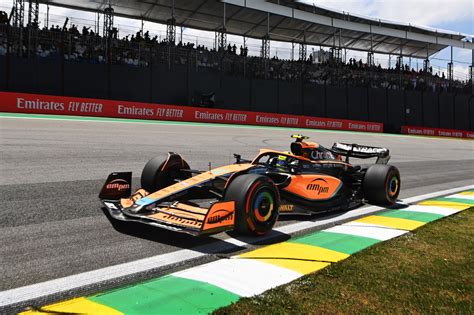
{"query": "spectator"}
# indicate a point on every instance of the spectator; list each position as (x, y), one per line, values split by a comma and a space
(3, 17)
(139, 49)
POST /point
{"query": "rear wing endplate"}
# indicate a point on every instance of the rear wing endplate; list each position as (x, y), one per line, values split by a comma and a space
(361, 152)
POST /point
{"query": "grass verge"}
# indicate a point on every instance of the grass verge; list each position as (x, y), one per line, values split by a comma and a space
(428, 271)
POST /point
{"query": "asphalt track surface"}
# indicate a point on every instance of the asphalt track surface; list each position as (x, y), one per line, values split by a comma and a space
(51, 222)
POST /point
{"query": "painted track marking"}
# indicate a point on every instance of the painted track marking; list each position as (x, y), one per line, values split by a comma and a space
(56, 286)
(244, 275)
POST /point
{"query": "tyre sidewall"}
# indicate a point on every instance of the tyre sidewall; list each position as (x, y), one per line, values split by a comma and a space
(258, 189)
(246, 190)
(155, 177)
(382, 184)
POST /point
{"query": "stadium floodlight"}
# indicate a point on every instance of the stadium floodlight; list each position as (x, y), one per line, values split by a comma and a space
(33, 13)
(265, 50)
(221, 39)
(303, 48)
(370, 59)
(18, 12)
(171, 31)
(108, 21)
(450, 71)
(450, 67)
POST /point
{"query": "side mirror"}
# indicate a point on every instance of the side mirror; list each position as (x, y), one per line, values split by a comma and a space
(239, 160)
(237, 157)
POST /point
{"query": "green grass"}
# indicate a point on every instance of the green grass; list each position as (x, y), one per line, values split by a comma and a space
(428, 271)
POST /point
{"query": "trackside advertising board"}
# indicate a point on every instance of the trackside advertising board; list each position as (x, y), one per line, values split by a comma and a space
(437, 132)
(61, 105)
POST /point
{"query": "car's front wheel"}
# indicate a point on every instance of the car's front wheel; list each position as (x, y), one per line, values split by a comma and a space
(161, 172)
(256, 203)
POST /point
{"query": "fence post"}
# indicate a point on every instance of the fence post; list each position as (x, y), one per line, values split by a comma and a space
(368, 101)
(7, 59)
(150, 66)
(109, 67)
(61, 55)
(325, 98)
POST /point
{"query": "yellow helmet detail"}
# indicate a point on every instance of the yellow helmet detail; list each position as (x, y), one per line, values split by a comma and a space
(299, 137)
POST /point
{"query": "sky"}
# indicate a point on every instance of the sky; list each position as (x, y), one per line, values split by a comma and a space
(453, 15)
(456, 15)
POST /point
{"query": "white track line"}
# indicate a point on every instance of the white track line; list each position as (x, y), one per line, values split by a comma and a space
(244, 277)
(461, 196)
(432, 209)
(68, 283)
(374, 232)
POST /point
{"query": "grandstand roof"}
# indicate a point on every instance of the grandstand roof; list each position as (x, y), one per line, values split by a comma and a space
(286, 21)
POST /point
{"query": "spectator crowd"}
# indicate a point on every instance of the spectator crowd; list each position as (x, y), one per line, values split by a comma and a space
(143, 50)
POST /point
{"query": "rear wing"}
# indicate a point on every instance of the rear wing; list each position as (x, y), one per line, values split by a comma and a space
(361, 152)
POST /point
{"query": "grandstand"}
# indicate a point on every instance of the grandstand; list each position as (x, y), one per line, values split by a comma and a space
(75, 61)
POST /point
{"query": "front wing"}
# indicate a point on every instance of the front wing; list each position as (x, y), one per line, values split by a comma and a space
(179, 216)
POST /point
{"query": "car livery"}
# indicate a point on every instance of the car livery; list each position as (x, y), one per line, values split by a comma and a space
(249, 195)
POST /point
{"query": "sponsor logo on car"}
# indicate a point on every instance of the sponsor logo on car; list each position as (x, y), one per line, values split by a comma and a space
(118, 184)
(321, 155)
(359, 148)
(221, 215)
(178, 220)
(286, 208)
(319, 185)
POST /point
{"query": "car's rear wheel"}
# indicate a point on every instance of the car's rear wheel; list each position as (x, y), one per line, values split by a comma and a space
(161, 172)
(256, 203)
(382, 184)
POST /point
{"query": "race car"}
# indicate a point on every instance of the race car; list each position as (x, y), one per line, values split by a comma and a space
(249, 195)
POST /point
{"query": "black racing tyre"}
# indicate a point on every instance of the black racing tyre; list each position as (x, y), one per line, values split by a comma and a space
(257, 200)
(382, 184)
(161, 172)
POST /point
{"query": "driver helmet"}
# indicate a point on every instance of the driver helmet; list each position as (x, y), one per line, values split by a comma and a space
(279, 161)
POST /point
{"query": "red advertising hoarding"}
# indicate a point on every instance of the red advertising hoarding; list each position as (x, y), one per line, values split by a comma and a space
(437, 132)
(62, 105)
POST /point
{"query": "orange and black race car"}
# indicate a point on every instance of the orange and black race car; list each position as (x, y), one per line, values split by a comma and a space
(248, 196)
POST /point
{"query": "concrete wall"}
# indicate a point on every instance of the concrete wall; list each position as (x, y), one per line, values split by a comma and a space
(87, 80)
(461, 111)
(290, 98)
(169, 87)
(129, 83)
(357, 102)
(413, 108)
(180, 84)
(395, 109)
(264, 96)
(430, 109)
(377, 100)
(234, 93)
(471, 113)
(314, 100)
(446, 110)
(336, 102)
